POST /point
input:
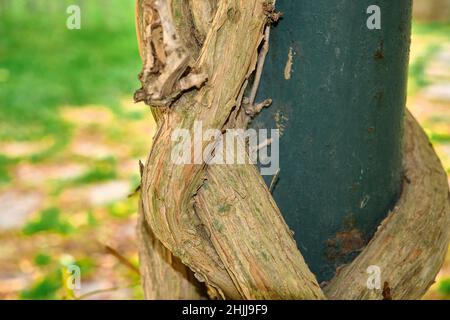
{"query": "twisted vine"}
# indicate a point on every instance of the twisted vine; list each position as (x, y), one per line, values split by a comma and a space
(219, 223)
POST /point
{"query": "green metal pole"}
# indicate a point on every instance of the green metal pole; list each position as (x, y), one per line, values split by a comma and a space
(339, 92)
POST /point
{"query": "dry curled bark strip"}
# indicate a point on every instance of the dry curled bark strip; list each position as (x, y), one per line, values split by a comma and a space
(167, 59)
(410, 245)
(172, 194)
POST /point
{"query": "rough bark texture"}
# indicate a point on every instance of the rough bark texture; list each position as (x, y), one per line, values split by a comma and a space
(219, 221)
(157, 263)
(163, 275)
(193, 229)
(410, 245)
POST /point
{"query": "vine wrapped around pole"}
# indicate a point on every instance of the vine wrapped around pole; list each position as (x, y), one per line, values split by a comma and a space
(198, 58)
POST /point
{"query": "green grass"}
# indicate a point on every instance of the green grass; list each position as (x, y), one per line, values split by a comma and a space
(44, 66)
(437, 33)
(101, 170)
(441, 29)
(45, 288)
(4, 164)
(122, 209)
(42, 259)
(444, 287)
(439, 137)
(49, 221)
(417, 77)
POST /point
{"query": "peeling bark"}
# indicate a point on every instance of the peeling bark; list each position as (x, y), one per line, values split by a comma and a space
(220, 222)
(173, 196)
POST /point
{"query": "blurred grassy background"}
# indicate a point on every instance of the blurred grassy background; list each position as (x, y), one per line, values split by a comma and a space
(71, 138)
(70, 141)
